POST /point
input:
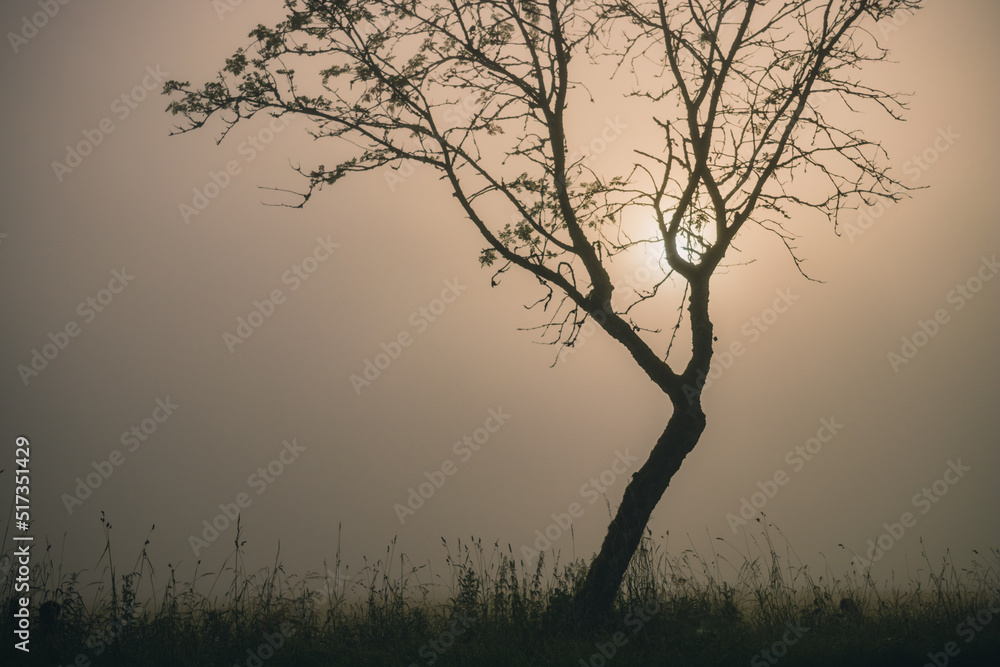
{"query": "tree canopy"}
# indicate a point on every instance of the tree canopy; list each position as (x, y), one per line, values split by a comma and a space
(752, 109)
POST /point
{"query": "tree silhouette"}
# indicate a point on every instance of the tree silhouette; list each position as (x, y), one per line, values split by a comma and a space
(744, 96)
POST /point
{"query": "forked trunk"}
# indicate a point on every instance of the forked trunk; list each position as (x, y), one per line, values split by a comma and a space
(605, 575)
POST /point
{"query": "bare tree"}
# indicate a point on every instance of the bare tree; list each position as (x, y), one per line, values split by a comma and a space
(744, 95)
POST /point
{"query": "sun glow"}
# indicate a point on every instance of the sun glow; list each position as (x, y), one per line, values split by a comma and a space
(694, 237)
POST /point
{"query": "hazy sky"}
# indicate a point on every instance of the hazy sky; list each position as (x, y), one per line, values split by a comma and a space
(375, 259)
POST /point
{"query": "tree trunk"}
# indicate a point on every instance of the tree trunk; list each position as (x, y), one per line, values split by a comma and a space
(644, 491)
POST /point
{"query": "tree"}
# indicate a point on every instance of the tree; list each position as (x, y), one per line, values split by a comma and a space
(746, 94)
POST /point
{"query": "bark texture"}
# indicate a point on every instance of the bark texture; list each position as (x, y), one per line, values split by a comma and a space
(644, 491)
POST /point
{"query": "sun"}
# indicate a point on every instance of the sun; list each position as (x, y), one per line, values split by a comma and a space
(693, 239)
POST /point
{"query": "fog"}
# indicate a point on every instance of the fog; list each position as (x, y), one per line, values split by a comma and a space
(163, 399)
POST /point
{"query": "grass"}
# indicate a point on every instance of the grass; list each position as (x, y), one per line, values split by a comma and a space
(489, 609)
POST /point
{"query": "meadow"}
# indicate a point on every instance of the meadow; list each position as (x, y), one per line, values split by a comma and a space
(487, 608)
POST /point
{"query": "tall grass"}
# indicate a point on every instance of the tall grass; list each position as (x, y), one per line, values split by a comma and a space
(489, 608)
